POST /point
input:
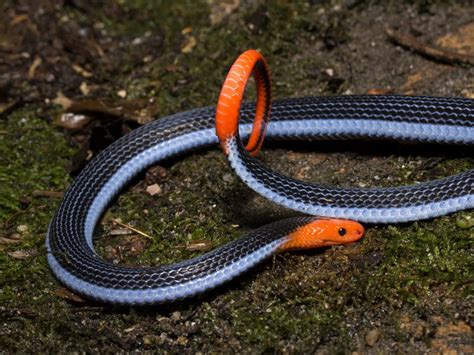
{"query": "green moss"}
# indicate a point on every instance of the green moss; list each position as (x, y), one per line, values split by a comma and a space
(270, 328)
(417, 259)
(33, 156)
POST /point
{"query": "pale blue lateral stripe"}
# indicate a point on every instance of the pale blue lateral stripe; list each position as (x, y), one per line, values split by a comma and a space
(424, 132)
(361, 214)
(163, 294)
(303, 128)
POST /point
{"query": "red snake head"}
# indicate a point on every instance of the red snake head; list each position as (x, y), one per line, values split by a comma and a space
(324, 232)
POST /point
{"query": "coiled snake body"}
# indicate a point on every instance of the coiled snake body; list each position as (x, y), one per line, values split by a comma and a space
(419, 119)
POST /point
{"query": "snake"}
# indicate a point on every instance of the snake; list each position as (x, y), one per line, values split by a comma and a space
(330, 215)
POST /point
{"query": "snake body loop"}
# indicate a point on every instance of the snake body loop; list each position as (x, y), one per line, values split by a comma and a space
(418, 119)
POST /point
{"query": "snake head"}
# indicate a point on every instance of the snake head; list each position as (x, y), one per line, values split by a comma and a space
(323, 232)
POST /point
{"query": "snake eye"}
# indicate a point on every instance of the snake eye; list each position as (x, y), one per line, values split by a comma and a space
(342, 231)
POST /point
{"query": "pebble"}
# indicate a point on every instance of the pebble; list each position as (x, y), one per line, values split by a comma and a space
(154, 189)
(176, 315)
(22, 228)
(372, 337)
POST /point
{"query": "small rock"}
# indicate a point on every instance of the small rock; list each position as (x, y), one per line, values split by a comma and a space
(176, 315)
(372, 337)
(22, 228)
(228, 178)
(151, 339)
(182, 340)
(163, 338)
(154, 189)
(122, 93)
(72, 121)
(329, 71)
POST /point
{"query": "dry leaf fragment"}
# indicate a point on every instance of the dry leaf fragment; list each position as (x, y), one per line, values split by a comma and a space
(85, 90)
(199, 246)
(462, 40)
(120, 231)
(189, 44)
(19, 19)
(140, 110)
(62, 100)
(6, 107)
(131, 329)
(4, 240)
(22, 254)
(468, 94)
(186, 30)
(45, 193)
(81, 71)
(379, 91)
(32, 69)
(440, 54)
(68, 295)
(422, 76)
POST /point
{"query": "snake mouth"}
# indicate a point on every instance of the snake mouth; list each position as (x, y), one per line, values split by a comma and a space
(329, 242)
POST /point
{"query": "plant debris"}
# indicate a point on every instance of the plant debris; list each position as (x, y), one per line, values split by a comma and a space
(133, 229)
(22, 254)
(44, 193)
(440, 54)
(68, 295)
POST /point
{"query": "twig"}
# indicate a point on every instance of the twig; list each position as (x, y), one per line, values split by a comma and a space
(442, 55)
(132, 229)
(6, 108)
(45, 193)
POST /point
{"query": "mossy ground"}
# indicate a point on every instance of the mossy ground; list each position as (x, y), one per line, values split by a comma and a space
(403, 288)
